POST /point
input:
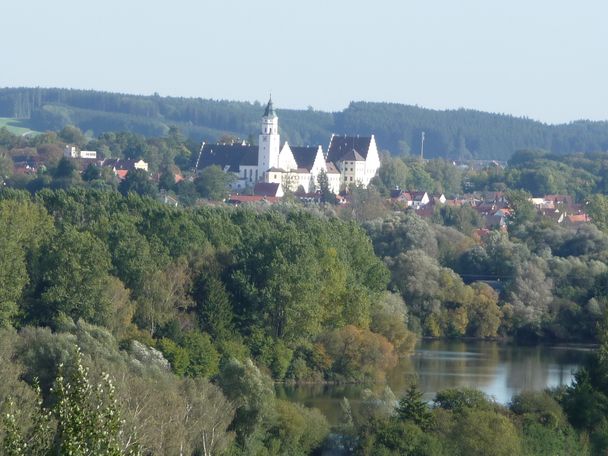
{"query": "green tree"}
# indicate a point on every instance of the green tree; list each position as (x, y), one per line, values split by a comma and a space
(92, 172)
(163, 293)
(597, 208)
(65, 168)
(523, 210)
(460, 399)
(327, 196)
(393, 173)
(137, 181)
(179, 357)
(6, 167)
(415, 409)
(24, 227)
(204, 358)
(214, 307)
(75, 276)
(72, 135)
(367, 203)
(85, 420)
(484, 433)
(212, 183)
(358, 354)
(252, 394)
(88, 421)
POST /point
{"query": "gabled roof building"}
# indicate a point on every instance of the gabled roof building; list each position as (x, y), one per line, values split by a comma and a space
(349, 160)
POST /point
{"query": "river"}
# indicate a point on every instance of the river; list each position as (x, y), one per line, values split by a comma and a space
(499, 370)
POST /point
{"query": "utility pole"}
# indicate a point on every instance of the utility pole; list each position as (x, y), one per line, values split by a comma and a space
(422, 146)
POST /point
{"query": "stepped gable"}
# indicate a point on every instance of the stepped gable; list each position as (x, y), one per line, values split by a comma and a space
(304, 155)
(341, 146)
(230, 156)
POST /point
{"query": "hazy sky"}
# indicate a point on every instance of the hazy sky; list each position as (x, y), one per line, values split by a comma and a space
(544, 59)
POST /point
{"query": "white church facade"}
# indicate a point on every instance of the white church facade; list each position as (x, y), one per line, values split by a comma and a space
(348, 161)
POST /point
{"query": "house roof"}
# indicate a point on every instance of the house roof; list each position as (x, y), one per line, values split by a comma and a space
(426, 211)
(331, 168)
(228, 155)
(352, 155)
(578, 218)
(238, 199)
(401, 194)
(304, 155)
(120, 164)
(418, 196)
(266, 189)
(340, 146)
(557, 198)
(122, 173)
(494, 220)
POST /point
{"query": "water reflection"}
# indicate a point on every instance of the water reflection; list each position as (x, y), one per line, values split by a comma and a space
(499, 370)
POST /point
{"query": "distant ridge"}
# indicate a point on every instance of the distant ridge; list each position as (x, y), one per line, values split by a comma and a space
(454, 134)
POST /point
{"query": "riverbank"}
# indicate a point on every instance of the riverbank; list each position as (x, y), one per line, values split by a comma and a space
(498, 369)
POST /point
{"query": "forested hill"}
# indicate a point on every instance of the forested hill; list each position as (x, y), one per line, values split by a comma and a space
(458, 134)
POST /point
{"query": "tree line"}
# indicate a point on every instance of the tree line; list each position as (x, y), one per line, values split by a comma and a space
(454, 134)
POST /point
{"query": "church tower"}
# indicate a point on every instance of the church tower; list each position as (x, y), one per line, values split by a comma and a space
(269, 142)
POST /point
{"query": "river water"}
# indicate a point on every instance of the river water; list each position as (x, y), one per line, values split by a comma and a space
(499, 370)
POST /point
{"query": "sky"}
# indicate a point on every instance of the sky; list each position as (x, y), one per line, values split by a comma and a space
(542, 59)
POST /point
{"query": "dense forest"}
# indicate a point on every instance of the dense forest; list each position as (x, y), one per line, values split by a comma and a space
(454, 134)
(166, 326)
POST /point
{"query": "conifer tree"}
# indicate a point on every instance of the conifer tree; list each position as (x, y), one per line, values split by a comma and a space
(413, 408)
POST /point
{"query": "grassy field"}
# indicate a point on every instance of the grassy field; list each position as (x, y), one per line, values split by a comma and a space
(15, 126)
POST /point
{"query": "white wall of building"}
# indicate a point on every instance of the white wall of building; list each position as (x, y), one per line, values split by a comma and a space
(269, 144)
(286, 160)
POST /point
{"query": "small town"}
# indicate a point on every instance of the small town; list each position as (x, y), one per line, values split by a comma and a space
(304, 228)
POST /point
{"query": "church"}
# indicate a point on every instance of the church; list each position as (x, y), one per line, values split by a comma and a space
(349, 160)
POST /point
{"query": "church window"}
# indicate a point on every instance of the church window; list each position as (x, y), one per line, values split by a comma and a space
(264, 139)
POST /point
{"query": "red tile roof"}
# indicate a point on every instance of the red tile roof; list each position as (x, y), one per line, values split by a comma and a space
(578, 218)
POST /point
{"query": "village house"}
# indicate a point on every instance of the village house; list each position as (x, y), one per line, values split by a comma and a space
(273, 189)
(349, 160)
(74, 152)
(121, 167)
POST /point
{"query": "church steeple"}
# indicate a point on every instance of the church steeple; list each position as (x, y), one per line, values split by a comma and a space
(270, 141)
(269, 111)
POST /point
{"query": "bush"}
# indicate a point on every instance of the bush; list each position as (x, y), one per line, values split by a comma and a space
(539, 406)
(458, 400)
(484, 433)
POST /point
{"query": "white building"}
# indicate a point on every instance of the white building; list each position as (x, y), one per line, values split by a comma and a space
(73, 152)
(356, 157)
(349, 160)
